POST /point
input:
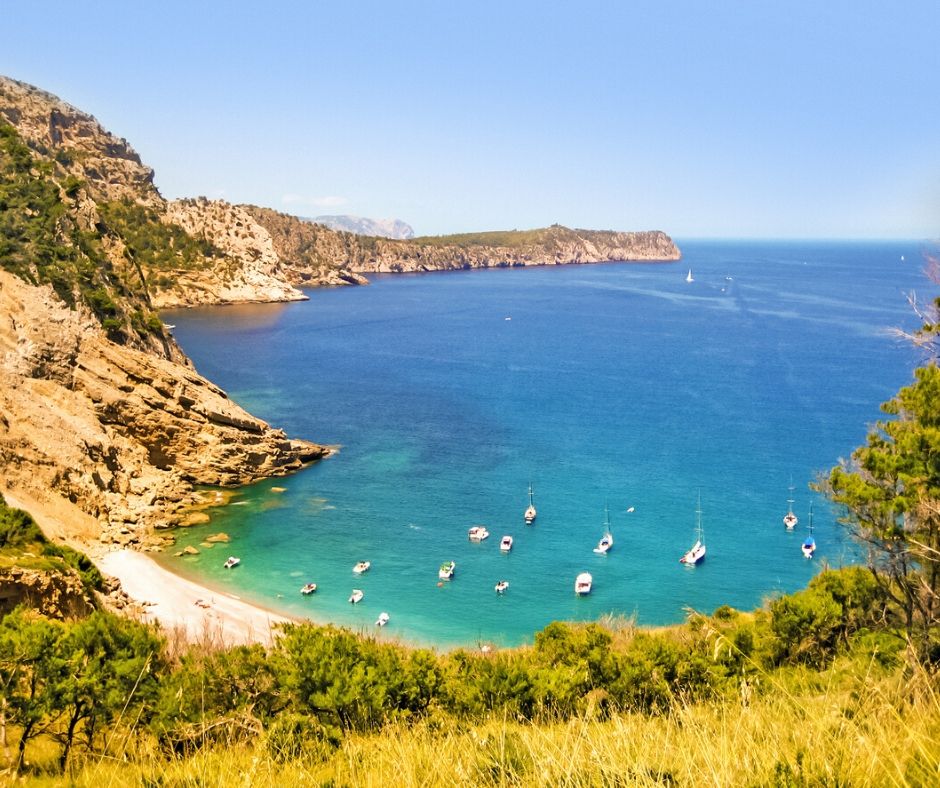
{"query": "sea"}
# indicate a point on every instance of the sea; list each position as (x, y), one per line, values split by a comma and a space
(617, 390)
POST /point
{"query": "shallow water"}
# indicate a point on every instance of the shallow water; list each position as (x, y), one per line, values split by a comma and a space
(618, 384)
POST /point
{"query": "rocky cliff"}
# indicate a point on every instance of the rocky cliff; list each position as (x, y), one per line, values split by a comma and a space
(118, 434)
(104, 425)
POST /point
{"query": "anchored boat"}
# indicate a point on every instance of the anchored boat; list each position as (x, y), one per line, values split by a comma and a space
(696, 553)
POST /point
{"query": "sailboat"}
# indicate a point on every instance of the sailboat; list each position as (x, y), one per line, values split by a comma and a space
(688, 276)
(530, 512)
(809, 543)
(789, 519)
(607, 540)
(696, 553)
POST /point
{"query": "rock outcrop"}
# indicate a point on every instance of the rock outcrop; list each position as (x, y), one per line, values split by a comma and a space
(54, 594)
(251, 269)
(111, 437)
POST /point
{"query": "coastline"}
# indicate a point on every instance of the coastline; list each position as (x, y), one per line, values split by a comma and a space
(181, 606)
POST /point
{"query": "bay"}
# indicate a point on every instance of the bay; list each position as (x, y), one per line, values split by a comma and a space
(617, 385)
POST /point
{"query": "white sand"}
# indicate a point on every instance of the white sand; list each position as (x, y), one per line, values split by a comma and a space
(186, 607)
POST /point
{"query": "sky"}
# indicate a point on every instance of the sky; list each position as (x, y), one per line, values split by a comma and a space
(731, 119)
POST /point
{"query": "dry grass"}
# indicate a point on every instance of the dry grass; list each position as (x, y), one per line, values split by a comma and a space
(866, 731)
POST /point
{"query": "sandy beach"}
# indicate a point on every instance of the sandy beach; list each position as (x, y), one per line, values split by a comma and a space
(186, 607)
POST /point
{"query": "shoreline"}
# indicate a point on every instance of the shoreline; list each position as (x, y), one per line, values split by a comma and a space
(180, 605)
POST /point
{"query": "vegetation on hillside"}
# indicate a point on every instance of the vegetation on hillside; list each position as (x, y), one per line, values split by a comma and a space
(22, 544)
(43, 241)
(512, 239)
(158, 249)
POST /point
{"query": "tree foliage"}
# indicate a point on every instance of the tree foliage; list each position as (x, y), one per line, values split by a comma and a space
(891, 493)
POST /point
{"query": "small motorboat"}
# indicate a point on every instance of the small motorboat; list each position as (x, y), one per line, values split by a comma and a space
(505, 544)
(382, 620)
(231, 562)
(356, 596)
(446, 572)
(478, 533)
(501, 586)
(308, 588)
(530, 513)
(583, 583)
(362, 566)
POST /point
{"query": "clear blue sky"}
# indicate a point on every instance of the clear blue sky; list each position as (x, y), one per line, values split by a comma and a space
(726, 119)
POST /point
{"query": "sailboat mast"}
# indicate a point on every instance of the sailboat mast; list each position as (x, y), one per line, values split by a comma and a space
(698, 517)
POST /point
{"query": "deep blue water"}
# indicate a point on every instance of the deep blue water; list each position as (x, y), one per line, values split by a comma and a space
(617, 383)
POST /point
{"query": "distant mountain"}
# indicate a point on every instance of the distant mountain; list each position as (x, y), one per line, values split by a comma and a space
(360, 225)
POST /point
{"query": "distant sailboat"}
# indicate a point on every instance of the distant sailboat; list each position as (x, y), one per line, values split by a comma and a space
(789, 519)
(809, 544)
(696, 553)
(688, 276)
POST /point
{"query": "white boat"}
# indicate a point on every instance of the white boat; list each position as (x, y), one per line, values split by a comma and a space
(688, 276)
(478, 533)
(789, 519)
(530, 513)
(607, 540)
(809, 543)
(501, 586)
(308, 589)
(382, 620)
(505, 544)
(362, 566)
(696, 553)
(232, 562)
(446, 572)
(356, 596)
(583, 583)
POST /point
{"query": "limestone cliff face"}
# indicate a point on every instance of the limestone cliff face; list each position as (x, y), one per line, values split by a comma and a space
(111, 438)
(108, 164)
(311, 255)
(251, 269)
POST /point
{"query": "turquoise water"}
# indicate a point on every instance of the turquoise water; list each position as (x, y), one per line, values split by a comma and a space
(615, 383)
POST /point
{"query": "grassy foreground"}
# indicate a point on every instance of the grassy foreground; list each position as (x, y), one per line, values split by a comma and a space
(844, 726)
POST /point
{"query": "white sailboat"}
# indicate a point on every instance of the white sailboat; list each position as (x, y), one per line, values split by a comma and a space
(530, 512)
(789, 519)
(809, 543)
(688, 276)
(607, 540)
(696, 553)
